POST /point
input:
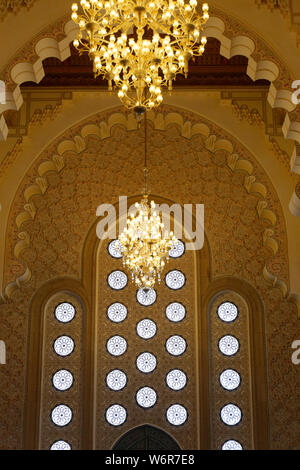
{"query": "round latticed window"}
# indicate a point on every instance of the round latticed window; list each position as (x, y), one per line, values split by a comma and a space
(228, 312)
(146, 297)
(229, 345)
(117, 280)
(146, 362)
(175, 312)
(116, 380)
(61, 415)
(178, 250)
(231, 414)
(175, 279)
(146, 397)
(232, 445)
(176, 345)
(60, 445)
(230, 379)
(146, 329)
(64, 345)
(65, 312)
(176, 379)
(115, 249)
(117, 312)
(116, 345)
(116, 415)
(176, 415)
(62, 380)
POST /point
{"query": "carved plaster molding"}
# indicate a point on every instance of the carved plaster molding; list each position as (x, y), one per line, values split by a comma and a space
(160, 122)
(13, 6)
(259, 67)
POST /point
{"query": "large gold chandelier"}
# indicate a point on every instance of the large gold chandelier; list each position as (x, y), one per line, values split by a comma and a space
(139, 46)
(145, 244)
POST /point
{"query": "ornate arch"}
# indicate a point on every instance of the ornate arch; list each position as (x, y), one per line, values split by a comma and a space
(145, 437)
(207, 287)
(189, 130)
(91, 165)
(221, 27)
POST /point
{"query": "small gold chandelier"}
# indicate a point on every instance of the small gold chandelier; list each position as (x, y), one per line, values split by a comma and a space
(144, 243)
(140, 45)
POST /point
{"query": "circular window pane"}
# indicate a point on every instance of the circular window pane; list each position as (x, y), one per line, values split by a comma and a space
(62, 380)
(61, 415)
(229, 345)
(178, 250)
(60, 445)
(116, 345)
(65, 312)
(177, 415)
(231, 414)
(175, 279)
(230, 379)
(146, 362)
(175, 312)
(116, 415)
(116, 380)
(176, 345)
(232, 445)
(63, 346)
(117, 280)
(115, 249)
(146, 397)
(146, 297)
(228, 312)
(176, 379)
(117, 312)
(146, 329)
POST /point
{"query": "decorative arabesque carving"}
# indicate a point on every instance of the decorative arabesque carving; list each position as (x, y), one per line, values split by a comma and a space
(262, 64)
(80, 144)
(78, 174)
(13, 6)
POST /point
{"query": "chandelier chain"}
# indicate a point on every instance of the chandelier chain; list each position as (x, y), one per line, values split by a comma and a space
(145, 244)
(146, 170)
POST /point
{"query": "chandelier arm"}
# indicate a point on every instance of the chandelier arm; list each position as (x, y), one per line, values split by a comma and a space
(169, 34)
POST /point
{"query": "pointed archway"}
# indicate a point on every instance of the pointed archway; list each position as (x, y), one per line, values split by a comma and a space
(146, 438)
